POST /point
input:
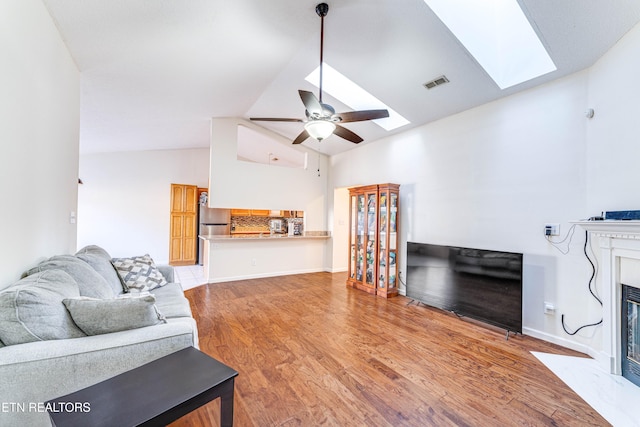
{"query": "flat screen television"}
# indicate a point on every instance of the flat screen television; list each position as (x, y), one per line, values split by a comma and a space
(481, 284)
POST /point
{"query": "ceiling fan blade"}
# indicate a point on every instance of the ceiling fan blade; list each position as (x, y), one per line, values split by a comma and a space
(274, 119)
(359, 116)
(345, 133)
(304, 135)
(310, 102)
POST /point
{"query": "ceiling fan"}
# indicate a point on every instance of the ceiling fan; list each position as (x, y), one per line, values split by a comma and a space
(322, 120)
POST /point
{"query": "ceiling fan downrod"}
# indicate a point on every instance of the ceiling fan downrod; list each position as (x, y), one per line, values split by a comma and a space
(321, 9)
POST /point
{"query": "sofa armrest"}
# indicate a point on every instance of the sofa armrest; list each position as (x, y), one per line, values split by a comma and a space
(37, 351)
(168, 272)
(35, 372)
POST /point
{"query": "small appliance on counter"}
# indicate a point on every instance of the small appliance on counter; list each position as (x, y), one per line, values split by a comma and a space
(294, 227)
(276, 226)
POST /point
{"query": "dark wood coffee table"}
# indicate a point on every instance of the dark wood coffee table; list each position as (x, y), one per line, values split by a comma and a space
(154, 394)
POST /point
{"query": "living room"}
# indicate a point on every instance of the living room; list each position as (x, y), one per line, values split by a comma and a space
(488, 177)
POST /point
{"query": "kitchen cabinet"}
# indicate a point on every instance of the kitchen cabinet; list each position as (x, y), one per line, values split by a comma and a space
(292, 214)
(251, 212)
(240, 212)
(260, 212)
(373, 239)
(183, 225)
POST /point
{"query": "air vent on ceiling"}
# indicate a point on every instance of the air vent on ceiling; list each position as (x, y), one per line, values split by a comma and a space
(436, 82)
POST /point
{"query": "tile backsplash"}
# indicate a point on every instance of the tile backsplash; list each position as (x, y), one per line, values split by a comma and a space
(256, 224)
(251, 221)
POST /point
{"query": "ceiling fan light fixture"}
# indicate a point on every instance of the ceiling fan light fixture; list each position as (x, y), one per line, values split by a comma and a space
(322, 117)
(320, 129)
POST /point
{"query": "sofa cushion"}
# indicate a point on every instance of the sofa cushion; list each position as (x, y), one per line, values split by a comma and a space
(171, 301)
(32, 309)
(90, 283)
(105, 269)
(103, 316)
(139, 273)
(94, 250)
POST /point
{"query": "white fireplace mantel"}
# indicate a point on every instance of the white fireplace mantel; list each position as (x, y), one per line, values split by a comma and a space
(617, 229)
(617, 240)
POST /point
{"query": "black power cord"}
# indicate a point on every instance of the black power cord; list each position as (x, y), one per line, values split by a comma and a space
(593, 275)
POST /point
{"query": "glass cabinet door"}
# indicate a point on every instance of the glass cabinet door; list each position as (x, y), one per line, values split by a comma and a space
(393, 239)
(383, 241)
(353, 238)
(371, 239)
(360, 236)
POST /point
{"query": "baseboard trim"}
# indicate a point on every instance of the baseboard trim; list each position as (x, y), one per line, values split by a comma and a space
(265, 275)
(582, 348)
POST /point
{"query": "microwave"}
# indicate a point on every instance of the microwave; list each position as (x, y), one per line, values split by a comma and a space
(276, 226)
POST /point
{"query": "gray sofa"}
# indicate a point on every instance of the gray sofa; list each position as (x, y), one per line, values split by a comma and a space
(73, 321)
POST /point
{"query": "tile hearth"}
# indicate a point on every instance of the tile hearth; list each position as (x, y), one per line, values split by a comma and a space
(612, 396)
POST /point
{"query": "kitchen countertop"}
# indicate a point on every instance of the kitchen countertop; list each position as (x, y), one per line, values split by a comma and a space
(265, 236)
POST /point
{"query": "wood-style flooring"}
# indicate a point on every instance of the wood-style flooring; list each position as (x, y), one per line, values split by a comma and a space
(311, 352)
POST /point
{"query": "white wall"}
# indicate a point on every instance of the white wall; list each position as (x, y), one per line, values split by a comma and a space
(490, 178)
(239, 184)
(613, 135)
(124, 202)
(39, 133)
(339, 218)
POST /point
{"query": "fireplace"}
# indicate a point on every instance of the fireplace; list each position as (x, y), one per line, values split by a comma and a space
(630, 336)
(619, 243)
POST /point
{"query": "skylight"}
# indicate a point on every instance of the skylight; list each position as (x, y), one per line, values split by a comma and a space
(498, 35)
(352, 95)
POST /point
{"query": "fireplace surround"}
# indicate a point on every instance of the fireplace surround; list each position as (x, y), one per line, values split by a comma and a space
(619, 243)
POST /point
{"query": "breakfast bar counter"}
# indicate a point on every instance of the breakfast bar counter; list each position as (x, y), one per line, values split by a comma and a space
(247, 256)
(264, 236)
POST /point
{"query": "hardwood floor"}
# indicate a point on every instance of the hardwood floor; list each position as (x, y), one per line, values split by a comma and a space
(310, 351)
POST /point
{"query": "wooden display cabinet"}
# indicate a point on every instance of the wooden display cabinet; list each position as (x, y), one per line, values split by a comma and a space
(373, 239)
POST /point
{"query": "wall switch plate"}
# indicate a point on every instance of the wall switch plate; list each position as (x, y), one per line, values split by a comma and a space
(552, 229)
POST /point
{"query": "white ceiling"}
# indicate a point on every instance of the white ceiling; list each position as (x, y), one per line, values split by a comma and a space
(155, 71)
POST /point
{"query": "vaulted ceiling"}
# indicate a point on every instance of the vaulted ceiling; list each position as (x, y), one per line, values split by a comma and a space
(154, 72)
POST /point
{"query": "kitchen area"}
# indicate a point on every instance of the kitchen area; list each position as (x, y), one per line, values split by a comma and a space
(236, 244)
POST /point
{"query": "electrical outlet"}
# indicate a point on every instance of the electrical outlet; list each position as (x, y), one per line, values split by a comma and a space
(549, 308)
(253, 262)
(552, 229)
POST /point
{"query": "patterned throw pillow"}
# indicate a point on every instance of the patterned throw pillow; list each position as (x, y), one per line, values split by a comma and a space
(139, 273)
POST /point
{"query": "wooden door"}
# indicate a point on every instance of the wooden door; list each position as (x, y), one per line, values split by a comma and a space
(183, 224)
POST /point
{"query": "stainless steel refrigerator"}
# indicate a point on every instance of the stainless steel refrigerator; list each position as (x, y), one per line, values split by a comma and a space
(212, 222)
